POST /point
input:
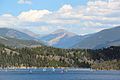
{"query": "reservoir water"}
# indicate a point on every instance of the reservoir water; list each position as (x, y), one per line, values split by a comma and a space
(58, 74)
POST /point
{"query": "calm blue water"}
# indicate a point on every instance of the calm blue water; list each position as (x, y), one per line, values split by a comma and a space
(38, 74)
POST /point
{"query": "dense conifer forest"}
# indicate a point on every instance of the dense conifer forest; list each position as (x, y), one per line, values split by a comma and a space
(103, 59)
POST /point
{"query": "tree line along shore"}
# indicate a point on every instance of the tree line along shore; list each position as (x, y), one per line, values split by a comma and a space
(100, 59)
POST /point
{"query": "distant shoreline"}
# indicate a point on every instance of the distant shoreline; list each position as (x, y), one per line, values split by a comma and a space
(64, 68)
(41, 67)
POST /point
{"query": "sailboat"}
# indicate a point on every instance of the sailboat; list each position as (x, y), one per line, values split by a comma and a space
(53, 69)
(44, 69)
(30, 71)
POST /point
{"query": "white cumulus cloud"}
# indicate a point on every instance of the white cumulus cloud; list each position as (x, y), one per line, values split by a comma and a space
(33, 15)
(94, 16)
(8, 20)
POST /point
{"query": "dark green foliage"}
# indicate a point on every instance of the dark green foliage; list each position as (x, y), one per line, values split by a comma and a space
(107, 58)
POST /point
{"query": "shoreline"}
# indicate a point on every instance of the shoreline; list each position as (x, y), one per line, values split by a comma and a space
(64, 68)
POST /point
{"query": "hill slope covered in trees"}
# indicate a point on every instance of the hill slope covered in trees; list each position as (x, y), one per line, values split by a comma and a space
(107, 58)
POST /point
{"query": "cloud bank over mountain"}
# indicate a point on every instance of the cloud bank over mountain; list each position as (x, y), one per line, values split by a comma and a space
(83, 19)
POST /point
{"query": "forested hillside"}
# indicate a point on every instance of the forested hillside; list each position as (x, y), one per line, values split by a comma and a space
(107, 58)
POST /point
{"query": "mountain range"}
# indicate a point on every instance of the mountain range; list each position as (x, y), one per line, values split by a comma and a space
(104, 38)
(12, 33)
(61, 38)
(64, 39)
(16, 38)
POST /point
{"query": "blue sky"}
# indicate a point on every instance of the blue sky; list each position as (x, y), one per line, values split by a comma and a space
(45, 16)
(12, 6)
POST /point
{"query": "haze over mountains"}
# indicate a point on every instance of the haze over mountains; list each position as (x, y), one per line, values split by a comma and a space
(64, 39)
(104, 38)
(61, 38)
(15, 38)
(12, 33)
